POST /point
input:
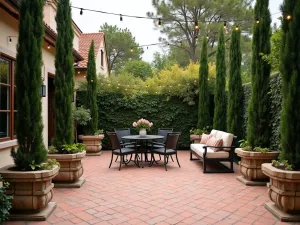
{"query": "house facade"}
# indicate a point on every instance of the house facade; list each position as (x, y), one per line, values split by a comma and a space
(9, 22)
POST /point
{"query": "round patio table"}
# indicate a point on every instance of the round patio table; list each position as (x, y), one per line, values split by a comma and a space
(144, 138)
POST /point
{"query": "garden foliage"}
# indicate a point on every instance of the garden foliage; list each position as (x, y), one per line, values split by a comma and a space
(28, 79)
(64, 76)
(258, 131)
(290, 71)
(5, 201)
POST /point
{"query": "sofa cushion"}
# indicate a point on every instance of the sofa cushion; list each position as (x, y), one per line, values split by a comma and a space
(205, 138)
(226, 137)
(215, 142)
(199, 150)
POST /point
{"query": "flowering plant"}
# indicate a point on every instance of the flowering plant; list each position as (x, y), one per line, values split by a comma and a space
(142, 123)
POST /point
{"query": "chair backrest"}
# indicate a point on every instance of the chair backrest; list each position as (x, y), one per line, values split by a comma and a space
(163, 132)
(121, 132)
(172, 140)
(113, 139)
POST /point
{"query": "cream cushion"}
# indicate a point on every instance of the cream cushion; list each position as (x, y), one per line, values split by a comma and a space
(226, 137)
(199, 150)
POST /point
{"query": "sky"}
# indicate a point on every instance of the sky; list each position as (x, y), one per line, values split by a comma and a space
(142, 29)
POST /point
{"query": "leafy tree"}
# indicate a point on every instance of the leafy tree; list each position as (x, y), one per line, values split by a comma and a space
(161, 61)
(258, 130)
(289, 68)
(203, 107)
(235, 89)
(220, 94)
(64, 76)
(138, 68)
(178, 21)
(91, 93)
(28, 79)
(118, 46)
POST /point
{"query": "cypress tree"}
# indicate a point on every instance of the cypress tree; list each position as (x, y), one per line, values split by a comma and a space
(220, 94)
(258, 130)
(91, 95)
(28, 79)
(235, 89)
(64, 76)
(290, 70)
(203, 105)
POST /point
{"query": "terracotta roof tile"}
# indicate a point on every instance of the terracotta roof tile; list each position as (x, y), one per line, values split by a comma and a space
(84, 46)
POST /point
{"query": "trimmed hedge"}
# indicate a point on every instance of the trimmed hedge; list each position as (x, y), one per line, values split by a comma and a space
(118, 111)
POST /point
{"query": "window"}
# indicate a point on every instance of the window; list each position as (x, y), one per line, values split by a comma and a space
(7, 93)
(102, 57)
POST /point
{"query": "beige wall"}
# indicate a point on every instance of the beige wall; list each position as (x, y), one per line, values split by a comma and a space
(9, 27)
(102, 70)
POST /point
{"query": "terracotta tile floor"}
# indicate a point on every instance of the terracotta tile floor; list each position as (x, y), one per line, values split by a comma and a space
(153, 196)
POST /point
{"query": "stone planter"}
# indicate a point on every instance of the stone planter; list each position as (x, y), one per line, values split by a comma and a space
(93, 143)
(70, 171)
(195, 136)
(284, 191)
(31, 191)
(250, 166)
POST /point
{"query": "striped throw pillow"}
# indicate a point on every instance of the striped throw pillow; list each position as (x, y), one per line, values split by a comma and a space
(215, 142)
(205, 138)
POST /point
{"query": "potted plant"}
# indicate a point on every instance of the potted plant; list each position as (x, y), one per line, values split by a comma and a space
(250, 165)
(284, 185)
(30, 178)
(195, 134)
(68, 154)
(142, 125)
(92, 137)
(254, 151)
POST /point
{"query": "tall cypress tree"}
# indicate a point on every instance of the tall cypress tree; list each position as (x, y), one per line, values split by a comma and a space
(258, 130)
(28, 79)
(290, 70)
(203, 105)
(64, 76)
(235, 89)
(91, 95)
(220, 94)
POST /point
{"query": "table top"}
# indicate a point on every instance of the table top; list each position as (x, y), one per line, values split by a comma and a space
(146, 137)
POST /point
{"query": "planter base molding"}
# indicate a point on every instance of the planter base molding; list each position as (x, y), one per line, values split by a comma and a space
(76, 184)
(243, 180)
(284, 217)
(40, 216)
(94, 154)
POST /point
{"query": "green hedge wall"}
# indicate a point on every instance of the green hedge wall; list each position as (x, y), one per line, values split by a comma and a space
(275, 109)
(119, 111)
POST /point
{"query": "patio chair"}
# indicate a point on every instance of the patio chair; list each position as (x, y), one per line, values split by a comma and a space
(118, 150)
(168, 150)
(121, 132)
(161, 142)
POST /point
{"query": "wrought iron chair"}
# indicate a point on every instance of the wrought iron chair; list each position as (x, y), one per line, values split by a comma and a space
(118, 150)
(121, 132)
(161, 143)
(169, 149)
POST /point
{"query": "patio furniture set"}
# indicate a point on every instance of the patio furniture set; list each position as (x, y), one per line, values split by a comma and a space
(131, 148)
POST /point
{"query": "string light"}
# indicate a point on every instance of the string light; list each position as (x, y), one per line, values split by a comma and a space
(257, 21)
(48, 46)
(159, 22)
(196, 25)
(288, 17)
(121, 18)
(81, 11)
(225, 24)
(236, 28)
(131, 49)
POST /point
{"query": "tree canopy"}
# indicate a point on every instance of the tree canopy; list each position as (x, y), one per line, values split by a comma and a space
(119, 43)
(138, 68)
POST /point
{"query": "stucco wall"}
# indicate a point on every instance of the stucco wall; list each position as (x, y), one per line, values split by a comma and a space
(9, 27)
(102, 70)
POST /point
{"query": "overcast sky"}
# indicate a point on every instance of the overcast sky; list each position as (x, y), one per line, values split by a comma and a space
(142, 29)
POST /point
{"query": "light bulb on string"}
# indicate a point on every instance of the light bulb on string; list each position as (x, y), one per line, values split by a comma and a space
(81, 11)
(159, 22)
(131, 49)
(48, 46)
(225, 24)
(196, 25)
(289, 17)
(121, 18)
(236, 28)
(257, 21)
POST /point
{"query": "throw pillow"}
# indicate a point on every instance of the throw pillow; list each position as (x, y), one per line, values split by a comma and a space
(205, 138)
(215, 142)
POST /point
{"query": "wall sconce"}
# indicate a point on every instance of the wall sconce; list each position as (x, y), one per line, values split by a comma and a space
(9, 38)
(43, 90)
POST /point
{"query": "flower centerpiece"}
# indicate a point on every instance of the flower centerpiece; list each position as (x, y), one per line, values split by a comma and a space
(142, 125)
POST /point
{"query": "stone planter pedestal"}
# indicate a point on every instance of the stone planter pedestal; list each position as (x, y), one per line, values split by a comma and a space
(250, 166)
(93, 144)
(284, 192)
(195, 136)
(31, 191)
(71, 170)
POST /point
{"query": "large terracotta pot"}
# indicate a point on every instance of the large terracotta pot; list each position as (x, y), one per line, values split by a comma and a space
(71, 168)
(195, 136)
(250, 164)
(284, 188)
(31, 190)
(93, 142)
